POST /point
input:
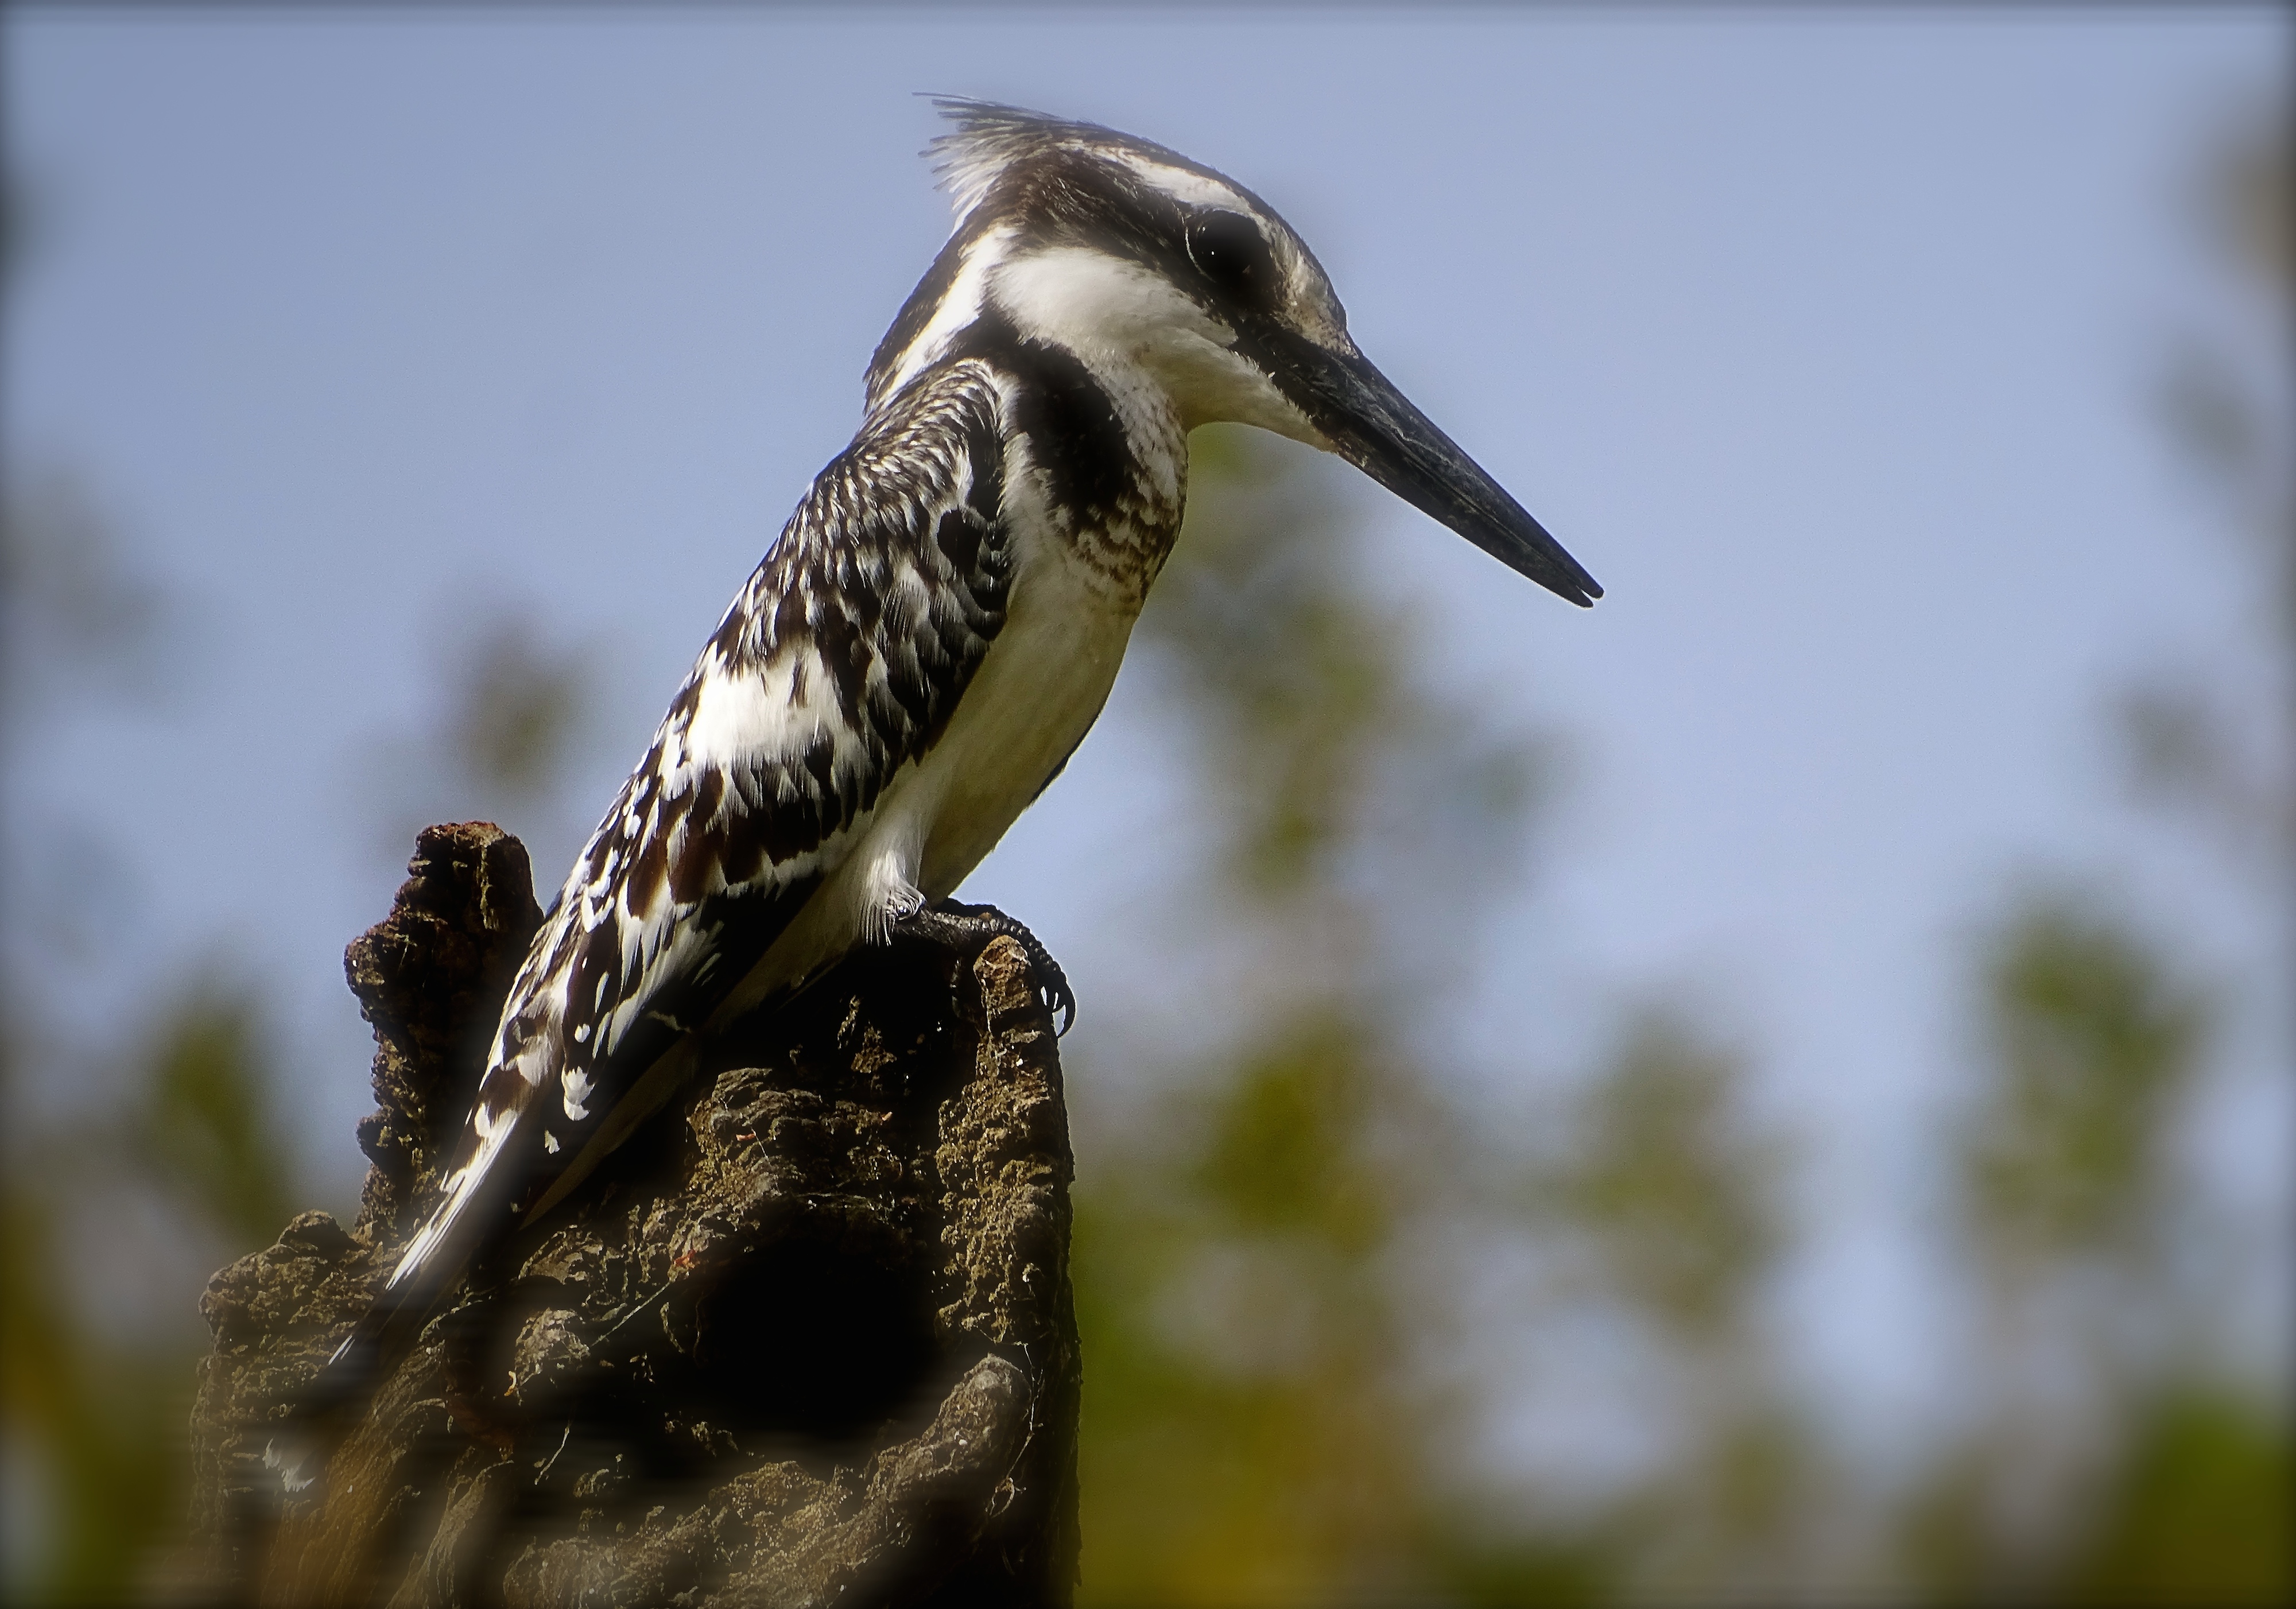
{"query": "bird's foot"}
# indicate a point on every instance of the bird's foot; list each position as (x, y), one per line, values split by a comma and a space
(969, 927)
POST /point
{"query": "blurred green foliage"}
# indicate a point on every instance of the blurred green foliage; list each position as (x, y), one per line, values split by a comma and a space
(2091, 1045)
(2104, 1462)
(171, 1124)
(90, 1415)
(1675, 1194)
(513, 716)
(1271, 1285)
(2197, 1510)
(207, 1131)
(511, 709)
(95, 1389)
(1250, 1433)
(2112, 1455)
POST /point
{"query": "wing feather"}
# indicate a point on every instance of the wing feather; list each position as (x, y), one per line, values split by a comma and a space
(839, 662)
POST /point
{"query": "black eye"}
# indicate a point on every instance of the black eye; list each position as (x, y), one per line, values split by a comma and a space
(1228, 249)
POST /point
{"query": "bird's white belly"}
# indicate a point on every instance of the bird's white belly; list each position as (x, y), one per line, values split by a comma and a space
(1037, 693)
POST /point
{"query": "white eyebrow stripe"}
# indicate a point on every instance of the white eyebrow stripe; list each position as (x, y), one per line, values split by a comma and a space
(1181, 185)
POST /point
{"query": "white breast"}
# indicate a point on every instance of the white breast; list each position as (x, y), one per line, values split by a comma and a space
(1035, 695)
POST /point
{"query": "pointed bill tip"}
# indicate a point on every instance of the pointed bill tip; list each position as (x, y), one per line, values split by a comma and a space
(1371, 425)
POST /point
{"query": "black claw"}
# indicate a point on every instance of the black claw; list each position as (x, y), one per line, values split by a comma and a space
(946, 922)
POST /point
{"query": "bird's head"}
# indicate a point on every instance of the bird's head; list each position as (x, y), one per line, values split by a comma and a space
(1143, 263)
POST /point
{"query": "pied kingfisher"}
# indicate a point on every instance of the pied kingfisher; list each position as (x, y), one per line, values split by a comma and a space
(939, 623)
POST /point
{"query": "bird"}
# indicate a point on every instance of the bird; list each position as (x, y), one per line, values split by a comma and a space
(934, 631)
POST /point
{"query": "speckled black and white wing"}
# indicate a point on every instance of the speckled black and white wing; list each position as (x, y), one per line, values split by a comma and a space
(839, 663)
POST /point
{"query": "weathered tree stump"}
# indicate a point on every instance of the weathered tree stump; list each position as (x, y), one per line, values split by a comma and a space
(808, 1337)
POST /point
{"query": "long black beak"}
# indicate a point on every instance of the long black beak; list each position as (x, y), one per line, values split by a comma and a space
(1374, 427)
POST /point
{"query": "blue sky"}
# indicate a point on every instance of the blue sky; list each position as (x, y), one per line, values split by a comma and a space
(1824, 341)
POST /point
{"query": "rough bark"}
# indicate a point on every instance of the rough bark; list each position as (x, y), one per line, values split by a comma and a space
(808, 1337)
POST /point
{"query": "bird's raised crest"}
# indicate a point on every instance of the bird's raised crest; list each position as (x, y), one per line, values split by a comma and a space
(991, 139)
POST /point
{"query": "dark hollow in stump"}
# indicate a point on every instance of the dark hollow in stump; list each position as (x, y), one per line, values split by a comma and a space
(808, 1338)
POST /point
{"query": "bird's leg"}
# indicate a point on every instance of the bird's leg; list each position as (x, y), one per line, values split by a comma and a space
(970, 927)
